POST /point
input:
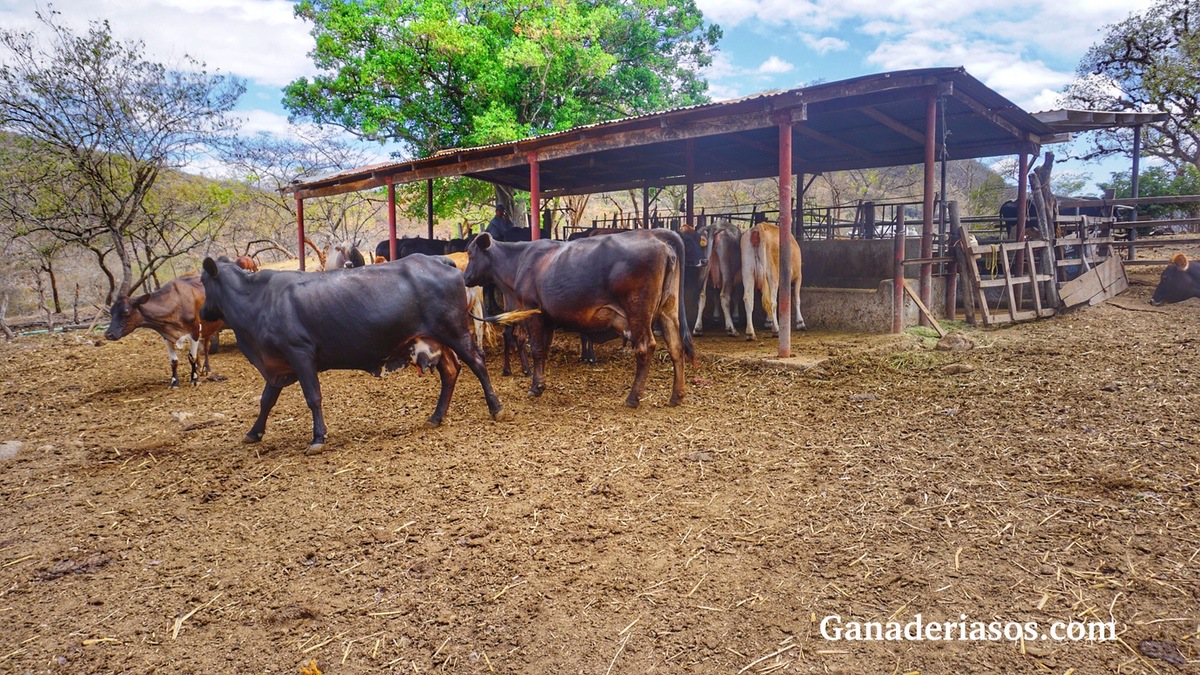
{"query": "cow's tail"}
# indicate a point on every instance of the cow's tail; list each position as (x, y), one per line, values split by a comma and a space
(507, 317)
(685, 330)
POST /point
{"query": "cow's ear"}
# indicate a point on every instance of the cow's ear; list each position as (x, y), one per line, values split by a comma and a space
(139, 300)
(1180, 260)
(483, 241)
(210, 266)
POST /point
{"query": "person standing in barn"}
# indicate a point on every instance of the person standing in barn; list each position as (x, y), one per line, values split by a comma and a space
(500, 226)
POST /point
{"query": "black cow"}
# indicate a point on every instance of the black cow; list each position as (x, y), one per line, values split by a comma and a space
(292, 325)
(409, 245)
(1180, 281)
(625, 283)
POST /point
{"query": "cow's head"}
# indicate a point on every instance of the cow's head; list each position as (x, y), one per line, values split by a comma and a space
(694, 254)
(1176, 283)
(479, 261)
(216, 275)
(125, 316)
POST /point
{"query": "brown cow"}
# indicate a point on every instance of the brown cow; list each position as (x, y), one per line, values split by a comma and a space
(623, 284)
(760, 271)
(173, 312)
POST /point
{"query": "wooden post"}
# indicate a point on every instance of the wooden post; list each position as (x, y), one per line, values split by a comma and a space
(868, 220)
(961, 262)
(1135, 184)
(391, 221)
(300, 228)
(785, 237)
(898, 272)
(535, 198)
(1022, 218)
(926, 277)
(429, 205)
(690, 206)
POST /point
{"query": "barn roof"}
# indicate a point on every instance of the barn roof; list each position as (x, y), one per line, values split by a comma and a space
(1069, 120)
(865, 122)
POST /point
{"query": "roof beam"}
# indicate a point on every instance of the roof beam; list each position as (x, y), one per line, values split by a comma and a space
(832, 142)
(991, 116)
(891, 123)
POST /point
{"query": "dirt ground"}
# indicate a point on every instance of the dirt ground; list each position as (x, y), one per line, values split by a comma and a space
(1055, 481)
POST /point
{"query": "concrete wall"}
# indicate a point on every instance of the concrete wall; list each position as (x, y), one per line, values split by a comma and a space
(863, 310)
(852, 263)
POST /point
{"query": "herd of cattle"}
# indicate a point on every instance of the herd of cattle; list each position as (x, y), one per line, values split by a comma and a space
(601, 284)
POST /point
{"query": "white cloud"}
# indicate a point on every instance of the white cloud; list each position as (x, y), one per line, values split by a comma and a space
(256, 121)
(256, 39)
(774, 65)
(823, 45)
(1000, 67)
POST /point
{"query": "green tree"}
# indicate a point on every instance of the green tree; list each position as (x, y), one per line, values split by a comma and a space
(1159, 181)
(439, 74)
(1148, 62)
(109, 121)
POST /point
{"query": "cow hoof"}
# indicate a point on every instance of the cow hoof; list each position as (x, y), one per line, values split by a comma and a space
(698, 331)
(174, 384)
(801, 326)
(536, 391)
(251, 438)
(314, 449)
(502, 416)
(506, 373)
(675, 401)
(631, 402)
(749, 337)
(431, 424)
(731, 332)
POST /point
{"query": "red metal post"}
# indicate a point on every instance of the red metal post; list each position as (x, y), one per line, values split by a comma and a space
(391, 221)
(898, 272)
(690, 150)
(535, 198)
(300, 228)
(429, 205)
(926, 278)
(785, 237)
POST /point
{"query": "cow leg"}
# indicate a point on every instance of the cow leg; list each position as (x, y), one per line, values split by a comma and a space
(311, 386)
(748, 302)
(205, 346)
(448, 372)
(670, 331)
(473, 356)
(270, 394)
(509, 340)
(193, 361)
(726, 295)
(540, 334)
(699, 328)
(643, 352)
(587, 350)
(174, 363)
(796, 306)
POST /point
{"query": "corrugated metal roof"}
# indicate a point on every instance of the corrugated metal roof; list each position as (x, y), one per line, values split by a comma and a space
(983, 122)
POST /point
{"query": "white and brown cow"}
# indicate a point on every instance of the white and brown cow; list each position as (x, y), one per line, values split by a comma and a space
(760, 271)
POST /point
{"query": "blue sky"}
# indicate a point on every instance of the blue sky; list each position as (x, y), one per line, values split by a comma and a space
(1025, 49)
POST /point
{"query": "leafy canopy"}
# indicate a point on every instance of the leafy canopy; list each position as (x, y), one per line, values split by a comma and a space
(435, 74)
(1148, 62)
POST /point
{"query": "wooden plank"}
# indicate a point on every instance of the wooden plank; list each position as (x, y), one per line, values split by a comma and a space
(968, 271)
(924, 310)
(1013, 307)
(1081, 289)
(1033, 276)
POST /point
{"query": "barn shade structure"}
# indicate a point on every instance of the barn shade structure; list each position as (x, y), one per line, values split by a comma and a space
(888, 119)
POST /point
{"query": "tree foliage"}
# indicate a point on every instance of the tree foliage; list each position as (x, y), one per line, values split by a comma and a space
(1148, 62)
(439, 74)
(1159, 181)
(98, 125)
